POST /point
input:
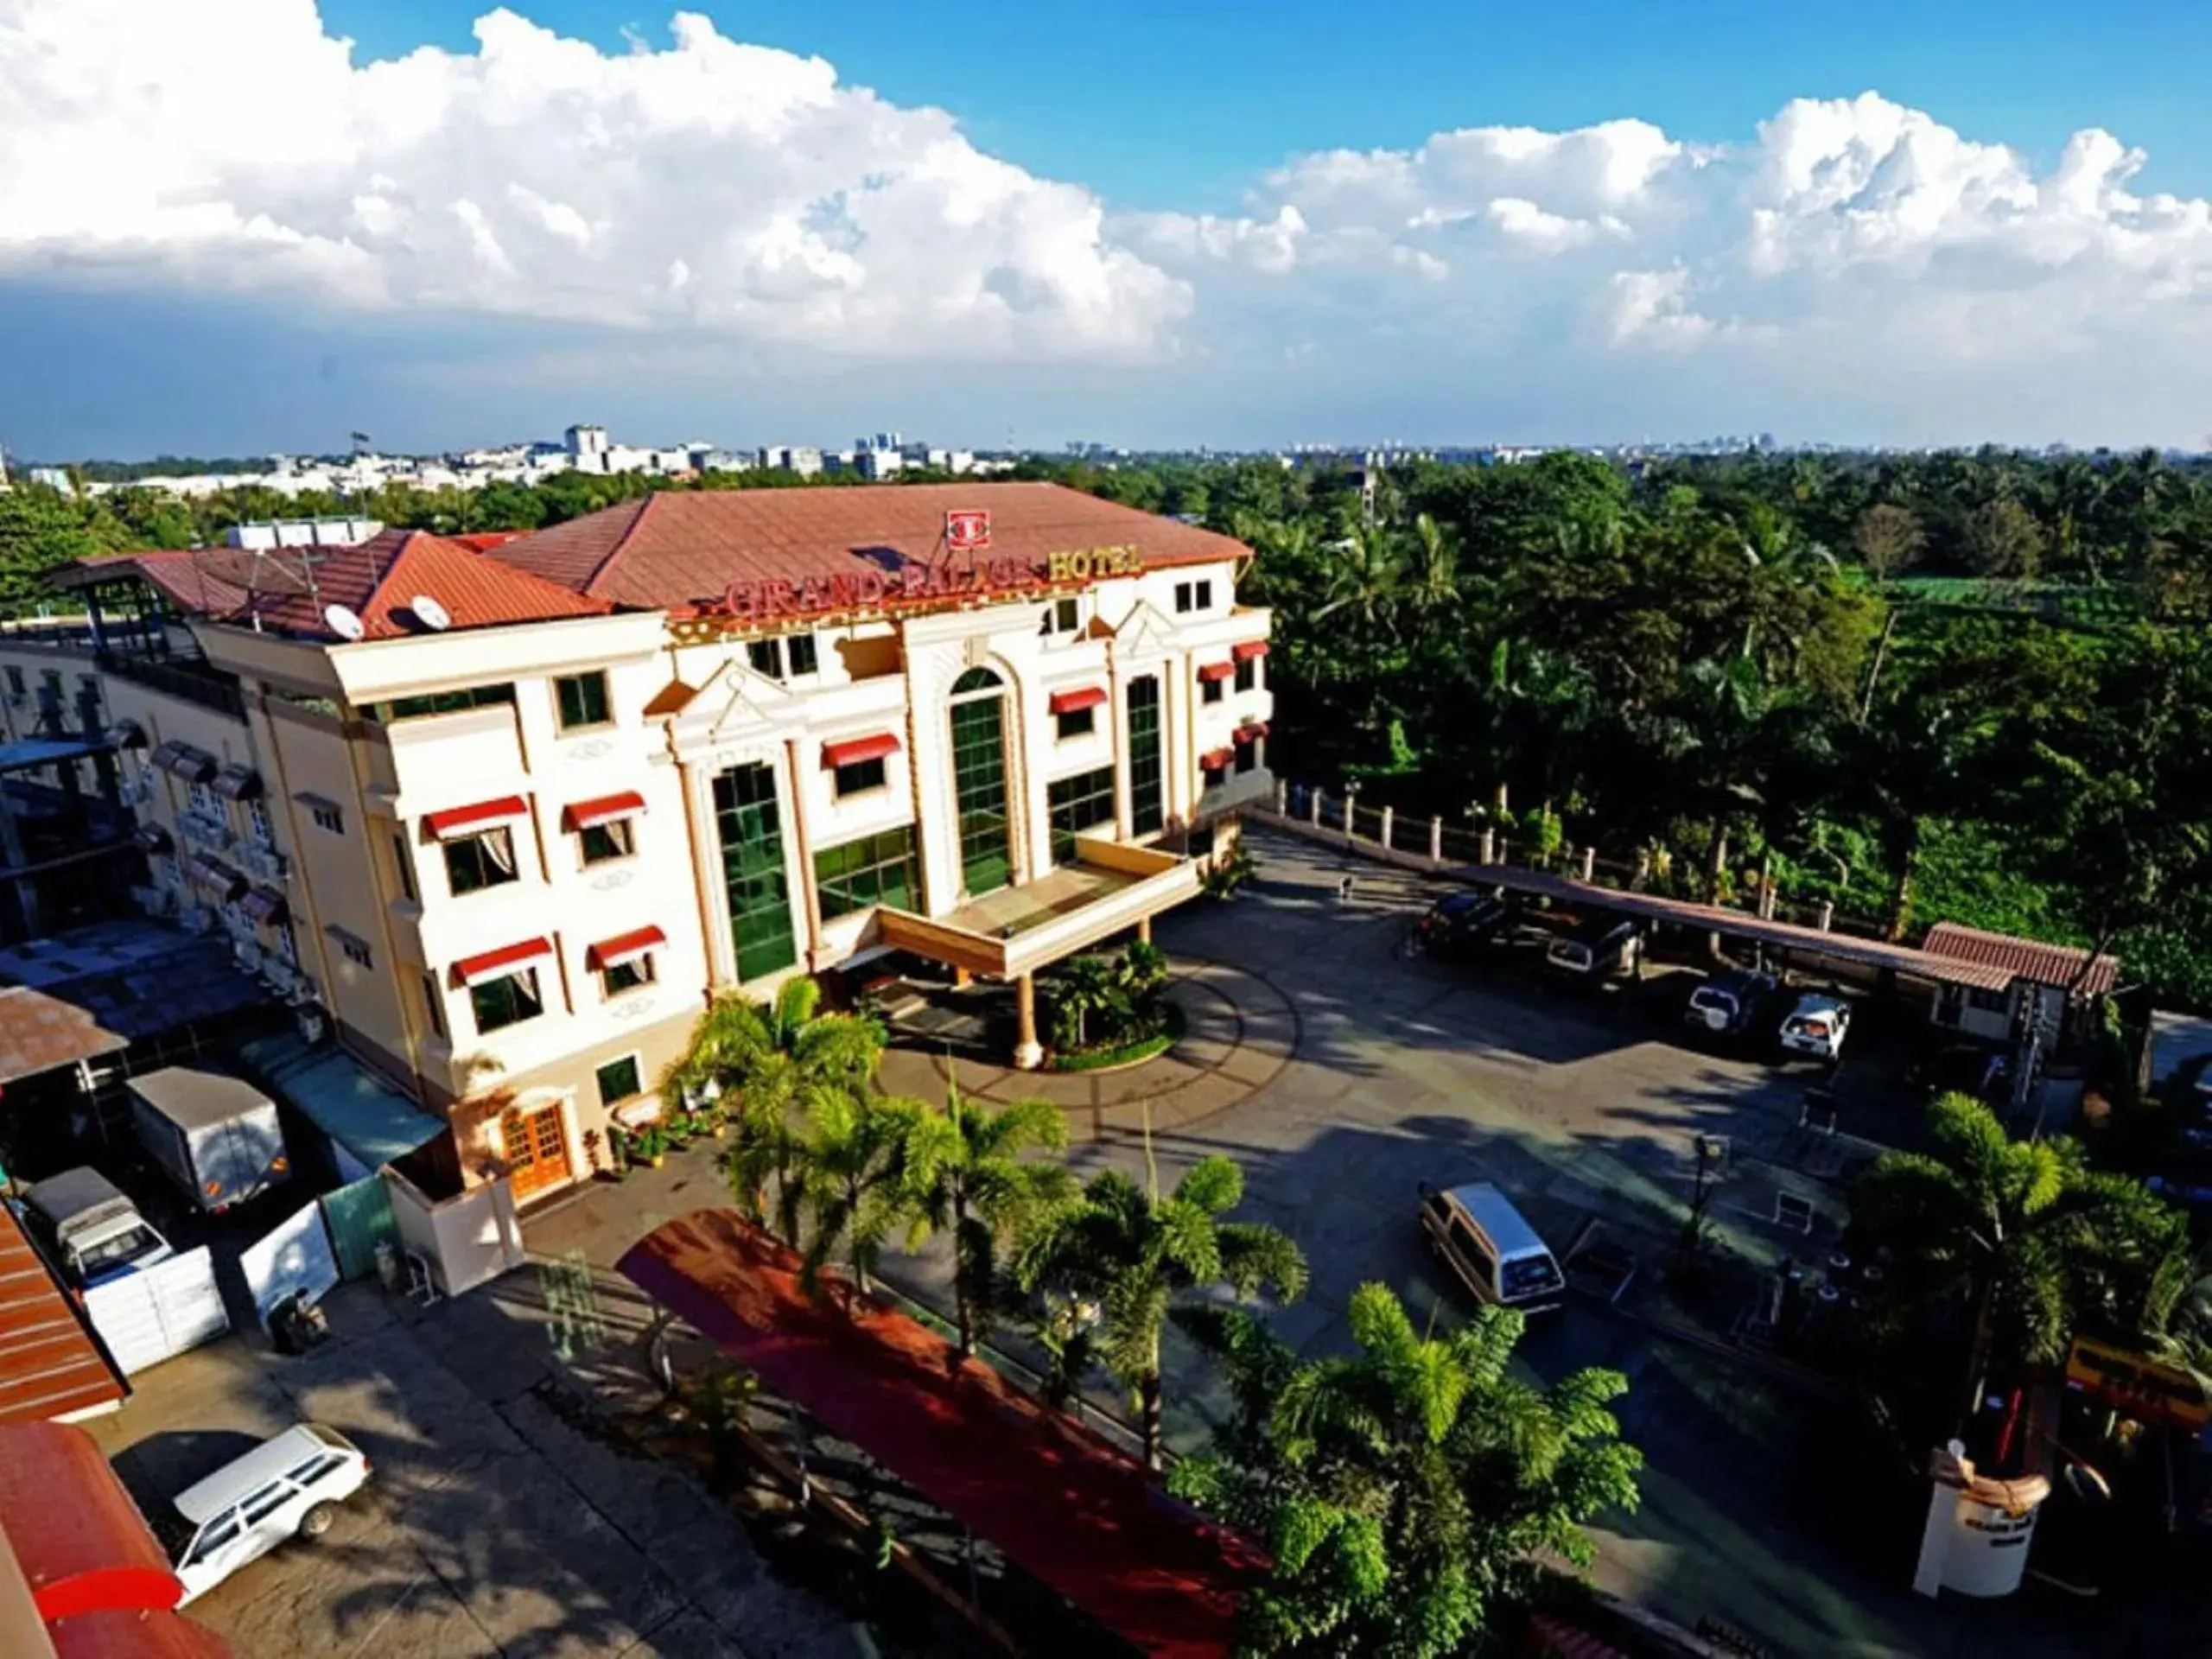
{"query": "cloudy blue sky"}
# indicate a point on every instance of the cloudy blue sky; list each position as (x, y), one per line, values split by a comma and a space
(241, 224)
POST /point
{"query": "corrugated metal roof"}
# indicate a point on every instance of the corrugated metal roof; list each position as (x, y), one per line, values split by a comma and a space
(1736, 924)
(49, 1366)
(678, 547)
(341, 1097)
(2029, 959)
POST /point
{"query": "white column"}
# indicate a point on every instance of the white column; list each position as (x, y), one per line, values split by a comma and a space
(1436, 841)
(1387, 814)
(1589, 863)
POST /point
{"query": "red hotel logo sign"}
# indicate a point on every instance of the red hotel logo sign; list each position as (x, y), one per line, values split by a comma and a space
(968, 529)
(915, 586)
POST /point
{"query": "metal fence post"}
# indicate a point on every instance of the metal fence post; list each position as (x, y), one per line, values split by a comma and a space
(1313, 807)
(1589, 863)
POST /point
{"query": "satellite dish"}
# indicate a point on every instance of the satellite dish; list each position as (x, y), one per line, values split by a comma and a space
(342, 622)
(430, 612)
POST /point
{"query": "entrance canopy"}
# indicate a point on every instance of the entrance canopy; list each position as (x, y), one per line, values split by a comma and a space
(1061, 1502)
(1107, 888)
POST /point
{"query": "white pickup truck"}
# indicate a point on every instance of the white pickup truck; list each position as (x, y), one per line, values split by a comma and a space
(94, 1232)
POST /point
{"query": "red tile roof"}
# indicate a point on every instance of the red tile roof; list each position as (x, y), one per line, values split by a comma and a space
(678, 548)
(288, 590)
(2029, 959)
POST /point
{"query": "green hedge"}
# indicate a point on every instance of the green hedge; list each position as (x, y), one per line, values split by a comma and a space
(1143, 1048)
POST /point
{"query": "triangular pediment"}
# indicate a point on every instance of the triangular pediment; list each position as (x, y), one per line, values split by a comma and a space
(1145, 632)
(735, 703)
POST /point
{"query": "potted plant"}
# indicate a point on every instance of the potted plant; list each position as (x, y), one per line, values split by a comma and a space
(649, 1145)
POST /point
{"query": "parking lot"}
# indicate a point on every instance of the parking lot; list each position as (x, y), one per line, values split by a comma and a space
(1579, 1103)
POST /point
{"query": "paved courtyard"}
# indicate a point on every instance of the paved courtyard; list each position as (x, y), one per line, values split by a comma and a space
(497, 1521)
(1578, 1104)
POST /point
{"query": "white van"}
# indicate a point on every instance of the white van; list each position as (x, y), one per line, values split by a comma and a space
(1492, 1246)
(288, 1487)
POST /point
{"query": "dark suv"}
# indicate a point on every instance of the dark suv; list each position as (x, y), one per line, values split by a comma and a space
(1460, 923)
(1732, 1004)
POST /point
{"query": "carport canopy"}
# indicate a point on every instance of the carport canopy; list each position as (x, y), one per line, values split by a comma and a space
(1061, 1502)
(342, 1098)
(1740, 925)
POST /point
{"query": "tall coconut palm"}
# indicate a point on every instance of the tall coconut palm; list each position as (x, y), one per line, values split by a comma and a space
(967, 1174)
(1409, 1489)
(769, 1059)
(1129, 1252)
(2019, 1231)
(854, 1149)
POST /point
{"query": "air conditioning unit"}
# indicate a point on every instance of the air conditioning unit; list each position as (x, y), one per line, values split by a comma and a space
(246, 953)
(193, 918)
(154, 901)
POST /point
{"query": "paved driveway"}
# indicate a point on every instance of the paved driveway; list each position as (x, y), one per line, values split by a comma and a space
(495, 1522)
(1577, 1104)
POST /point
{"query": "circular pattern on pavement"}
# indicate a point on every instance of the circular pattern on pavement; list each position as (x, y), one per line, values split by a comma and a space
(1239, 1031)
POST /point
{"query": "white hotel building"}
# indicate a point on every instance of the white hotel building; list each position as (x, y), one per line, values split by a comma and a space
(512, 811)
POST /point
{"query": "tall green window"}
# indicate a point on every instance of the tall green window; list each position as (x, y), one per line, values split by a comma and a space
(979, 780)
(1077, 803)
(875, 870)
(752, 870)
(1146, 810)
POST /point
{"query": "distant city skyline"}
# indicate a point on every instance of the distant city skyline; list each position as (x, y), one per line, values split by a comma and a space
(225, 228)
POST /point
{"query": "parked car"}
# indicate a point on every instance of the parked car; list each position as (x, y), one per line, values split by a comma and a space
(216, 1136)
(1460, 922)
(1492, 1247)
(1817, 1027)
(287, 1487)
(1734, 1003)
(1596, 949)
(93, 1231)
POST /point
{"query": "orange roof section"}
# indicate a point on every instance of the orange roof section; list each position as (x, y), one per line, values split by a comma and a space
(676, 549)
(2030, 959)
(289, 590)
(48, 1366)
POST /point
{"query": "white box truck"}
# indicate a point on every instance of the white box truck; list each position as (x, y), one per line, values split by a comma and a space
(216, 1136)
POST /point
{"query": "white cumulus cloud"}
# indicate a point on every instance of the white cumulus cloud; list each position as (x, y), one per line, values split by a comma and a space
(234, 145)
(1852, 266)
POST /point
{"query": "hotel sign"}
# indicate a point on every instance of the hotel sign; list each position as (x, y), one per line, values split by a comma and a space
(915, 587)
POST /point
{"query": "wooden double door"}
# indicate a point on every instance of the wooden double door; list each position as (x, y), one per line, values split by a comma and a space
(534, 1140)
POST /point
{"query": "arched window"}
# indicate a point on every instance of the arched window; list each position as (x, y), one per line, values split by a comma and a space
(979, 780)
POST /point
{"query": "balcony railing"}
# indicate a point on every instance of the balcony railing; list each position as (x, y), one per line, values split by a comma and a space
(208, 686)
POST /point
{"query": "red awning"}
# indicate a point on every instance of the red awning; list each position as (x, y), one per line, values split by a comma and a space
(1216, 759)
(1067, 702)
(474, 971)
(624, 947)
(467, 820)
(1062, 1502)
(1217, 670)
(590, 815)
(1251, 730)
(76, 1534)
(854, 750)
(1249, 650)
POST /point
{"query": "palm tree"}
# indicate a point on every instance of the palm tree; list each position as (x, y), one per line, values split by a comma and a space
(1406, 1490)
(853, 1152)
(770, 1058)
(965, 1173)
(1129, 1252)
(2020, 1230)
